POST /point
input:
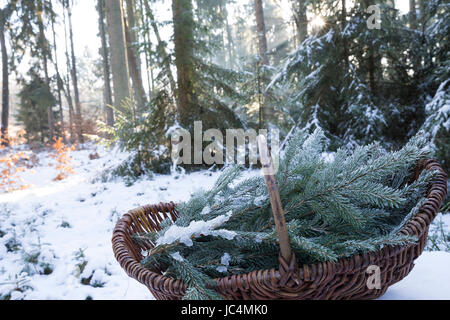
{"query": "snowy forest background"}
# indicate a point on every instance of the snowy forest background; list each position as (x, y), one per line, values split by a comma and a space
(87, 112)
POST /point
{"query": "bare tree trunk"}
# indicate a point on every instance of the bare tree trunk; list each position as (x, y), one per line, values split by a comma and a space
(45, 53)
(116, 33)
(261, 29)
(183, 22)
(132, 24)
(422, 12)
(58, 78)
(147, 49)
(161, 48)
(230, 44)
(372, 81)
(412, 14)
(71, 109)
(344, 23)
(78, 116)
(372, 61)
(134, 66)
(301, 21)
(264, 113)
(67, 92)
(107, 92)
(5, 84)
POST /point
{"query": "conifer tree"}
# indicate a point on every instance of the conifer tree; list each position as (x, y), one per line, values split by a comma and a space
(36, 99)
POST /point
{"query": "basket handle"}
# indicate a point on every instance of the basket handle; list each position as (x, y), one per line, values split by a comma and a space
(275, 201)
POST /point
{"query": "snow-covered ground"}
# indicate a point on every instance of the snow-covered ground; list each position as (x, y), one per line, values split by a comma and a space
(55, 237)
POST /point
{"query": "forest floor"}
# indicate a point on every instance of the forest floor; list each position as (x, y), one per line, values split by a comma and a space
(55, 236)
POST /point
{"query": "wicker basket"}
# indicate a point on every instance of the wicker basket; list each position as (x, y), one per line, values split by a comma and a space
(345, 279)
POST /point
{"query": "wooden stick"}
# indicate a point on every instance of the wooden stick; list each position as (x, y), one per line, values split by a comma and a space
(277, 208)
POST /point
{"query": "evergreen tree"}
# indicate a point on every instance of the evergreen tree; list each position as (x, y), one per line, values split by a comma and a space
(437, 124)
(36, 99)
(361, 84)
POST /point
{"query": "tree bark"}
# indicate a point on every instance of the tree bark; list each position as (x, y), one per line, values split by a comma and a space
(161, 48)
(132, 24)
(58, 78)
(230, 44)
(67, 92)
(422, 12)
(261, 29)
(134, 68)
(5, 14)
(78, 116)
(5, 84)
(344, 41)
(183, 22)
(71, 109)
(147, 48)
(301, 21)
(119, 65)
(412, 14)
(45, 53)
(264, 113)
(372, 61)
(107, 92)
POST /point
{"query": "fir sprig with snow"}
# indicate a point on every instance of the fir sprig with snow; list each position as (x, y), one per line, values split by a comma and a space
(353, 204)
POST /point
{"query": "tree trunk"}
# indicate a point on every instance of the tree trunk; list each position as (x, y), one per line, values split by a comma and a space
(230, 44)
(261, 29)
(161, 48)
(264, 113)
(45, 54)
(412, 14)
(422, 12)
(134, 68)
(372, 61)
(78, 116)
(301, 21)
(58, 78)
(71, 109)
(132, 24)
(183, 22)
(119, 65)
(372, 80)
(5, 85)
(147, 49)
(344, 41)
(107, 92)
(67, 92)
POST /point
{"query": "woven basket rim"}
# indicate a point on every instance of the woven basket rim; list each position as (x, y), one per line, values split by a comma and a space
(125, 250)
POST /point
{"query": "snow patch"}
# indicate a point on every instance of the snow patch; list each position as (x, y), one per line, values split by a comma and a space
(196, 228)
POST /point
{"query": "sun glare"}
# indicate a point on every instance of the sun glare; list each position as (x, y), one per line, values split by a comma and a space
(317, 22)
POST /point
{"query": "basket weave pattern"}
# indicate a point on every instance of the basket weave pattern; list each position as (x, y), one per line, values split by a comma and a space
(344, 279)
